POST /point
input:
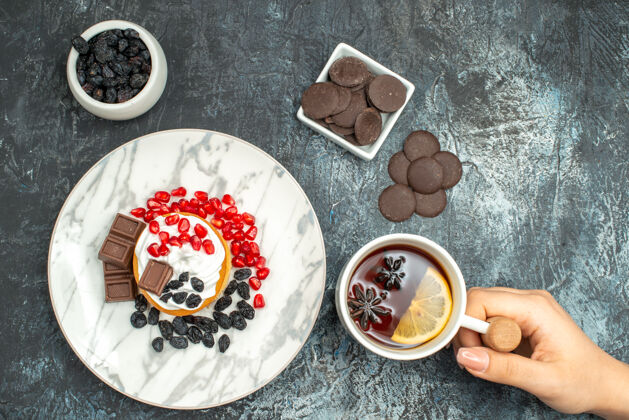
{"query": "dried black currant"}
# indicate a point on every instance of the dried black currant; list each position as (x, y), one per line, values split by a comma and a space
(194, 282)
(131, 33)
(190, 319)
(138, 319)
(183, 277)
(102, 52)
(96, 80)
(180, 297)
(88, 88)
(164, 298)
(206, 324)
(166, 329)
(158, 344)
(246, 310)
(180, 325)
(110, 38)
(208, 340)
(131, 51)
(223, 343)
(137, 43)
(243, 290)
(98, 94)
(179, 342)
(194, 335)
(238, 321)
(122, 44)
(106, 71)
(80, 45)
(242, 274)
(153, 317)
(141, 303)
(81, 76)
(223, 320)
(231, 288)
(124, 94)
(146, 56)
(193, 300)
(93, 70)
(110, 82)
(173, 284)
(223, 303)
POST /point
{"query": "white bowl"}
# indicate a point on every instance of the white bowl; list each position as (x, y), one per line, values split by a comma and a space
(388, 119)
(140, 103)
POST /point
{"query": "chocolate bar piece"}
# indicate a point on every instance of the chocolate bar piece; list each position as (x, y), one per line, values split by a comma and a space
(155, 276)
(116, 251)
(127, 227)
(119, 287)
(112, 270)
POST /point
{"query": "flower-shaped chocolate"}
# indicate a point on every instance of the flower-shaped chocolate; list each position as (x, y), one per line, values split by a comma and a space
(391, 275)
(364, 306)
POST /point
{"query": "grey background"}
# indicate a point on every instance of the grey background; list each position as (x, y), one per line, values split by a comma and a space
(532, 96)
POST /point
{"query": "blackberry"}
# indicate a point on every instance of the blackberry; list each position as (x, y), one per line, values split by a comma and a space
(180, 297)
(243, 290)
(158, 344)
(246, 310)
(166, 329)
(194, 282)
(179, 342)
(237, 320)
(194, 335)
(242, 274)
(180, 325)
(223, 320)
(206, 324)
(193, 300)
(164, 298)
(223, 343)
(231, 288)
(141, 303)
(138, 319)
(153, 317)
(223, 303)
(208, 340)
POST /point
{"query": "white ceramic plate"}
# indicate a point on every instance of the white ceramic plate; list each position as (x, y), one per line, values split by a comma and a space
(101, 334)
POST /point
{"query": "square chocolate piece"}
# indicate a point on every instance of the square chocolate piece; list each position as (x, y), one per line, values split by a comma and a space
(127, 227)
(112, 270)
(116, 251)
(155, 276)
(120, 288)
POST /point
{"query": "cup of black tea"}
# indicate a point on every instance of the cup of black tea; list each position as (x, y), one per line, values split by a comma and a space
(403, 297)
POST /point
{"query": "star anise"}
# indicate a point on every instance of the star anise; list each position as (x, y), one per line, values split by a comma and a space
(364, 306)
(391, 275)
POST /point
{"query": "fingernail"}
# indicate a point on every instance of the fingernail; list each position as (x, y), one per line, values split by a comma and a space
(473, 359)
(455, 349)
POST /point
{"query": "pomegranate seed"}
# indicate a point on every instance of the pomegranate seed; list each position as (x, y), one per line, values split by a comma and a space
(235, 248)
(228, 235)
(217, 223)
(258, 301)
(227, 227)
(163, 209)
(179, 192)
(174, 241)
(238, 262)
(195, 242)
(201, 195)
(188, 209)
(138, 212)
(239, 235)
(248, 219)
(163, 236)
(183, 203)
(150, 215)
(208, 208)
(246, 248)
(250, 260)
(229, 200)
(230, 212)
(255, 283)
(237, 218)
(162, 196)
(174, 208)
(260, 263)
(184, 237)
(163, 250)
(236, 226)
(153, 204)
(153, 226)
(255, 249)
(201, 212)
(218, 213)
(194, 203)
(208, 246)
(200, 231)
(153, 249)
(251, 233)
(172, 219)
(216, 203)
(184, 226)
(263, 273)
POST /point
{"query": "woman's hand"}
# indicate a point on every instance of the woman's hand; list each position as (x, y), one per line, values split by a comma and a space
(567, 370)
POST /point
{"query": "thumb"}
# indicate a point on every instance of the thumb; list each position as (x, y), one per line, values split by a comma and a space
(505, 368)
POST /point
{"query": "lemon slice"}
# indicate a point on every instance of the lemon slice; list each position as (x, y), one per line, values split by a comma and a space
(428, 312)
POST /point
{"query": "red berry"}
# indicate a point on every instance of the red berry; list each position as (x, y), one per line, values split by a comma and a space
(239, 235)
(179, 192)
(153, 249)
(184, 226)
(238, 262)
(163, 209)
(258, 301)
(229, 200)
(174, 241)
(251, 233)
(138, 212)
(230, 212)
(260, 263)
(184, 237)
(248, 219)
(174, 208)
(218, 213)
(201, 212)
(255, 249)
(227, 227)
(153, 204)
(246, 248)
(163, 236)
(235, 248)
(250, 260)
(263, 273)
(188, 209)
(255, 283)
(162, 196)
(153, 226)
(201, 195)
(217, 223)
(194, 203)
(150, 215)
(183, 203)
(163, 250)
(228, 235)
(172, 219)
(200, 231)
(208, 246)
(195, 242)
(237, 218)
(237, 226)
(216, 203)
(209, 209)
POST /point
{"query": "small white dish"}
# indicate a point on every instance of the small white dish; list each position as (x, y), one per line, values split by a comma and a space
(388, 120)
(140, 103)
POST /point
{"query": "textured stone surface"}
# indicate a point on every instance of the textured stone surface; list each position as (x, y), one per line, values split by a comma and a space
(531, 95)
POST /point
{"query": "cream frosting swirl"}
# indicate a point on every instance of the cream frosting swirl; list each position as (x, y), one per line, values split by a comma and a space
(185, 259)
